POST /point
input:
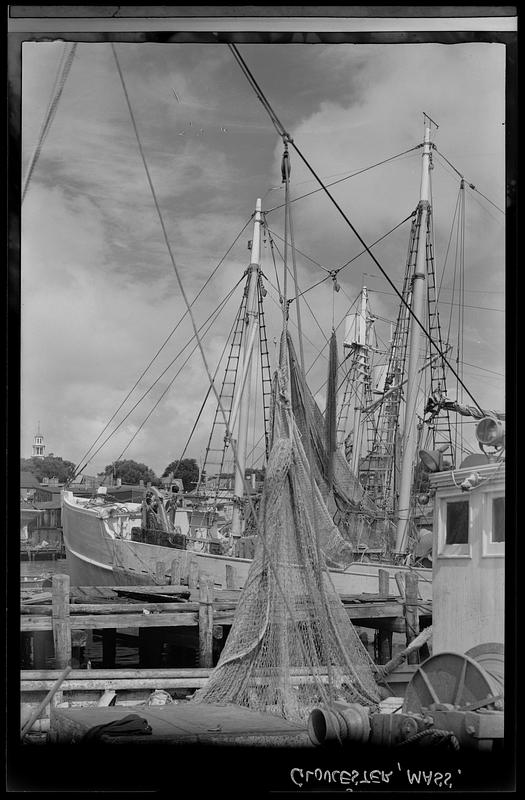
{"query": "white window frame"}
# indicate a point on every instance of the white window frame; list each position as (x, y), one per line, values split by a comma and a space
(491, 549)
(453, 550)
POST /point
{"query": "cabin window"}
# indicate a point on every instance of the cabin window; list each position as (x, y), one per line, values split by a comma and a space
(494, 524)
(457, 522)
(498, 519)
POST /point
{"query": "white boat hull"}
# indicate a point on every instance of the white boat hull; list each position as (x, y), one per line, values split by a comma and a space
(97, 558)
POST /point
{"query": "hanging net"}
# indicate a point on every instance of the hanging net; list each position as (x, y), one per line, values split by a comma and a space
(291, 645)
(358, 519)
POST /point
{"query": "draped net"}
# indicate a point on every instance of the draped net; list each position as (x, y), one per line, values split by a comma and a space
(358, 519)
(292, 644)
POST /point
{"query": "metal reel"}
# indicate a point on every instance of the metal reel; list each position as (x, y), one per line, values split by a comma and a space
(491, 658)
(456, 680)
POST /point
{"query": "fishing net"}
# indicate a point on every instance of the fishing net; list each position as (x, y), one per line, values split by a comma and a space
(291, 645)
(358, 519)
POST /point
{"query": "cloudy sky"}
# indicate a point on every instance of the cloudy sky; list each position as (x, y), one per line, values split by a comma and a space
(99, 293)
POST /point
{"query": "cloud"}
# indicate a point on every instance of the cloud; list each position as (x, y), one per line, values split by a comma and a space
(99, 293)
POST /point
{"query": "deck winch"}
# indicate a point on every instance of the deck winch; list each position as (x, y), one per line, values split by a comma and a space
(451, 698)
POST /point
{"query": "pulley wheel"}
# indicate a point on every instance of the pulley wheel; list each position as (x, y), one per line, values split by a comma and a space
(453, 679)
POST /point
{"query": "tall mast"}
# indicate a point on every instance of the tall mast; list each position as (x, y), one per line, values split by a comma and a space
(250, 328)
(414, 348)
(362, 374)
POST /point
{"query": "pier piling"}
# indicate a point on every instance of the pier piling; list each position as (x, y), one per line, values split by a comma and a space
(206, 621)
(61, 620)
(384, 637)
(411, 613)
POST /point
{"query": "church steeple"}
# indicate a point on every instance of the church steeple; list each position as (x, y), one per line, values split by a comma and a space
(38, 444)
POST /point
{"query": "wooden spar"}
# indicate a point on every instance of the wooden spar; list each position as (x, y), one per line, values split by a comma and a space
(47, 699)
(250, 322)
(419, 283)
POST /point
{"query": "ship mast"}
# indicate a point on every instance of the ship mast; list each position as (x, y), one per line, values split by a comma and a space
(414, 347)
(242, 402)
(362, 374)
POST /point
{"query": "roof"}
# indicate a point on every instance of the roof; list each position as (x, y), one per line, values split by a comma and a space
(52, 488)
(28, 481)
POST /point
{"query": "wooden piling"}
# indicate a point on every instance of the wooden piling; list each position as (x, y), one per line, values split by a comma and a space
(411, 612)
(206, 622)
(160, 573)
(230, 576)
(175, 572)
(193, 575)
(61, 620)
(384, 637)
(400, 580)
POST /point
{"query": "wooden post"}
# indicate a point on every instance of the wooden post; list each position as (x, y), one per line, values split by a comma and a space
(175, 572)
(206, 622)
(230, 576)
(384, 582)
(160, 573)
(109, 647)
(193, 575)
(61, 620)
(400, 580)
(411, 612)
(384, 637)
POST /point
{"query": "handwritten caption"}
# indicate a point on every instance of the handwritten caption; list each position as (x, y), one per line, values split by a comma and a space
(351, 779)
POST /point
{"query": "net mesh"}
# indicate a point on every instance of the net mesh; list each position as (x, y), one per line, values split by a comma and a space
(358, 519)
(291, 645)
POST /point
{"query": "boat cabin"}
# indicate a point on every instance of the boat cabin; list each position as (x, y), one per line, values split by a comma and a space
(468, 580)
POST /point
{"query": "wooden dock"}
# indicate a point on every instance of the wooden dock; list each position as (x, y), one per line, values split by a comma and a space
(197, 605)
(183, 723)
(164, 613)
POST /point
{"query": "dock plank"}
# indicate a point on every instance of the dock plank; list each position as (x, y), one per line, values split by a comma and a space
(186, 723)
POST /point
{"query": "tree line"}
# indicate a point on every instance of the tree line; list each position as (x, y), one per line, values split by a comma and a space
(129, 471)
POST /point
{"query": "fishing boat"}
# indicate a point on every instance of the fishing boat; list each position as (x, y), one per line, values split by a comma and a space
(369, 493)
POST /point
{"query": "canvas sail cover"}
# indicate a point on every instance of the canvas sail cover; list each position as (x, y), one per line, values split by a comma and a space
(358, 519)
(292, 644)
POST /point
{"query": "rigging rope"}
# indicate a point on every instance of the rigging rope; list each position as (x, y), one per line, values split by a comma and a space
(358, 255)
(56, 93)
(268, 554)
(470, 185)
(166, 389)
(347, 177)
(214, 313)
(286, 137)
(161, 348)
